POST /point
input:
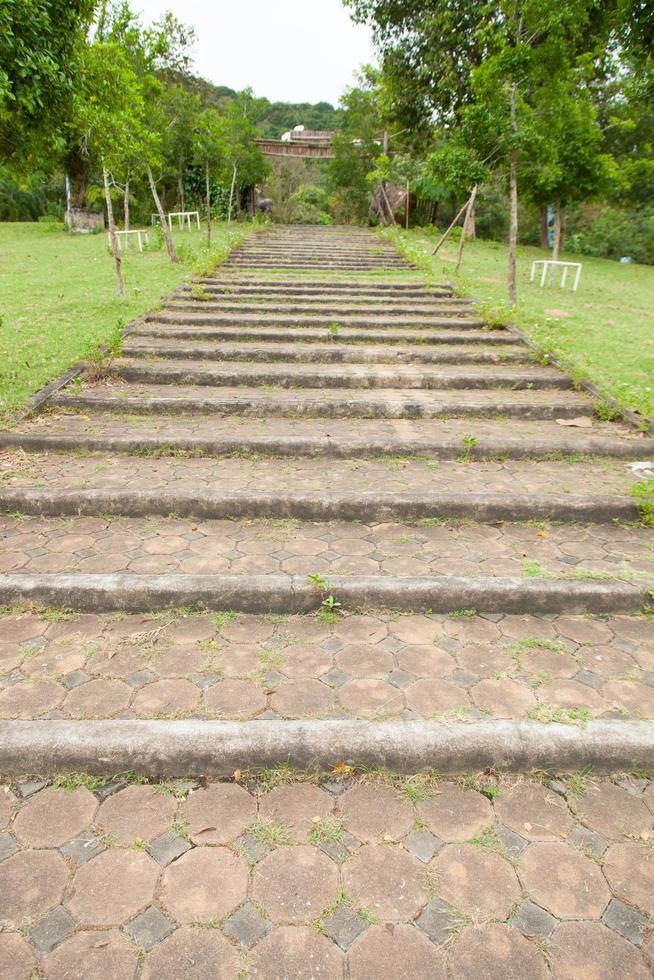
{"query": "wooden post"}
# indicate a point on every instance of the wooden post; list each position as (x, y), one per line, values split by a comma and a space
(388, 205)
(446, 233)
(172, 254)
(466, 224)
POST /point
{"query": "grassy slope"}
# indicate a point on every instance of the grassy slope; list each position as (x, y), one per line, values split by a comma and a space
(58, 296)
(604, 332)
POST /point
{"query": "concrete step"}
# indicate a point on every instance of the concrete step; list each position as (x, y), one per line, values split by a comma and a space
(410, 477)
(448, 377)
(341, 298)
(323, 307)
(362, 505)
(326, 403)
(305, 286)
(465, 439)
(322, 335)
(425, 322)
(324, 352)
(288, 595)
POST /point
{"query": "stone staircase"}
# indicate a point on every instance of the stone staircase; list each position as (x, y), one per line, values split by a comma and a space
(313, 432)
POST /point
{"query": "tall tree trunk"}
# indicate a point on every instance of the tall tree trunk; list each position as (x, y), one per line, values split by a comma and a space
(231, 196)
(557, 233)
(408, 201)
(466, 226)
(126, 206)
(207, 180)
(544, 237)
(168, 238)
(180, 187)
(113, 238)
(513, 181)
(472, 222)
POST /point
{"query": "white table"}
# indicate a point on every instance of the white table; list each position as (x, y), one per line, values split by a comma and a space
(184, 218)
(548, 264)
(141, 235)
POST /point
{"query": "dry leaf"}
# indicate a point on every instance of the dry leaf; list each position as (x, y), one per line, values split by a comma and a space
(543, 534)
(101, 945)
(342, 767)
(527, 826)
(237, 775)
(205, 830)
(316, 819)
(581, 422)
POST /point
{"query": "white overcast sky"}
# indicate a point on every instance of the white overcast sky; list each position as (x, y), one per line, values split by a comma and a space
(287, 50)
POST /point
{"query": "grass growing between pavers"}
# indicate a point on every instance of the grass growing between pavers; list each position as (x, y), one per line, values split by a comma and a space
(603, 333)
(58, 297)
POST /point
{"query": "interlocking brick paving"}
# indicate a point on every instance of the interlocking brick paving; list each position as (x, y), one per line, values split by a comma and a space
(374, 666)
(336, 888)
(303, 369)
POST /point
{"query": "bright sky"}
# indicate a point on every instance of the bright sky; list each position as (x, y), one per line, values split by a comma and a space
(287, 50)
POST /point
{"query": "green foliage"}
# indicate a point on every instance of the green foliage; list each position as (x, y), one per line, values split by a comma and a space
(615, 232)
(644, 494)
(40, 41)
(309, 205)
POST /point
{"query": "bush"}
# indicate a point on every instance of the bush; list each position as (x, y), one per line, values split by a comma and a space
(613, 233)
(308, 206)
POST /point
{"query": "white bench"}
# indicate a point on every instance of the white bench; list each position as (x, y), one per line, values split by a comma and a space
(184, 218)
(141, 234)
(548, 264)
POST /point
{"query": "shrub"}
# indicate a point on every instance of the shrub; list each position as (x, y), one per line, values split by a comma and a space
(308, 206)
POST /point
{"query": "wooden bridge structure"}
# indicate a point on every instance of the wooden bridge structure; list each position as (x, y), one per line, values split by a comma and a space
(310, 143)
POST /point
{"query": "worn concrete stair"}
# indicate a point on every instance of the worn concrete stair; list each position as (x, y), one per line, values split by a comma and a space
(285, 436)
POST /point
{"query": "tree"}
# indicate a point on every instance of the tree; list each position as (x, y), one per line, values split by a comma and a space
(107, 102)
(209, 150)
(244, 163)
(40, 46)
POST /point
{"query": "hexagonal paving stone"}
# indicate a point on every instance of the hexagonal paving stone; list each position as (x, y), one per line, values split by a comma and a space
(31, 883)
(371, 698)
(301, 808)
(205, 883)
(235, 699)
(306, 698)
(373, 811)
(170, 697)
(386, 880)
(503, 698)
(533, 811)
(629, 869)
(590, 950)
(17, 960)
(112, 888)
(456, 814)
(560, 879)
(54, 816)
(475, 880)
(497, 952)
(30, 700)
(433, 696)
(194, 954)
(92, 956)
(98, 699)
(295, 884)
(612, 812)
(217, 813)
(387, 954)
(296, 952)
(365, 660)
(136, 813)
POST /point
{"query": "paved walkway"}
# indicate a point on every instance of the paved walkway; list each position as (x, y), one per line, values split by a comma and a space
(304, 442)
(359, 878)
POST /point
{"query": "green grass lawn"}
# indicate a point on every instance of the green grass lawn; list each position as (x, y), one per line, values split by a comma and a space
(58, 297)
(603, 333)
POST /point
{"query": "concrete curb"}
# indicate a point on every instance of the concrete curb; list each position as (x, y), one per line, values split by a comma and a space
(217, 748)
(324, 446)
(291, 594)
(365, 506)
